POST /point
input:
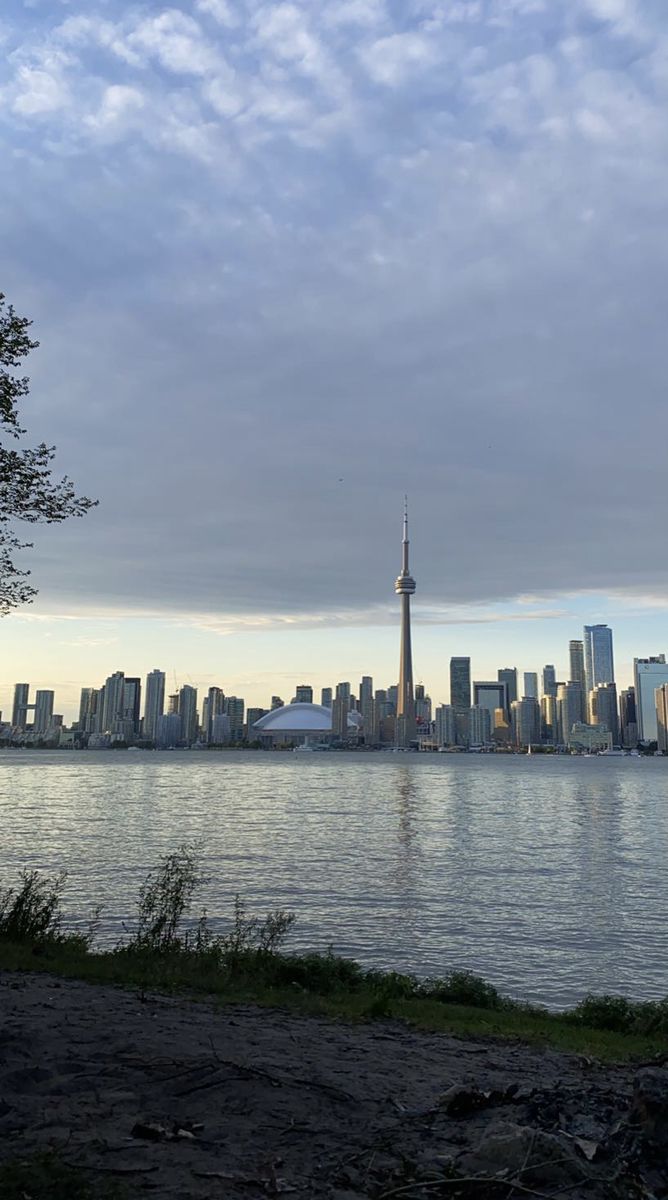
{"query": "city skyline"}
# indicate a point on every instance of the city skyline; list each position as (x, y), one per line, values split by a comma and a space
(335, 650)
(502, 713)
(506, 686)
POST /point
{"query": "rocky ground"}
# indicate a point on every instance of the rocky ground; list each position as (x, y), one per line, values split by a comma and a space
(190, 1100)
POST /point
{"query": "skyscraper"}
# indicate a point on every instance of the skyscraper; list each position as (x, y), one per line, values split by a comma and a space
(576, 660)
(569, 707)
(508, 675)
(112, 712)
(628, 718)
(87, 709)
(603, 709)
(549, 721)
(525, 716)
(43, 711)
(480, 725)
(214, 705)
(490, 694)
(530, 685)
(340, 710)
(303, 694)
(460, 684)
(648, 675)
(188, 712)
(422, 706)
(20, 705)
(367, 709)
(577, 670)
(446, 726)
(326, 697)
(155, 703)
(661, 704)
(598, 659)
(234, 709)
(131, 704)
(405, 587)
(549, 680)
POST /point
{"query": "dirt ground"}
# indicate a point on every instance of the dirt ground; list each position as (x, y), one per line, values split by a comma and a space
(189, 1100)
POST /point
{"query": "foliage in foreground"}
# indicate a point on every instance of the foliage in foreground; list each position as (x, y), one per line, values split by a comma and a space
(167, 949)
(27, 491)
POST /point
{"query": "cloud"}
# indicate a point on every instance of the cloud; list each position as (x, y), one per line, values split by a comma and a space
(391, 60)
(118, 106)
(176, 41)
(221, 11)
(287, 261)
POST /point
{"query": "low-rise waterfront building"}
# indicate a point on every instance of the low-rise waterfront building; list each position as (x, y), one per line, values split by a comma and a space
(588, 739)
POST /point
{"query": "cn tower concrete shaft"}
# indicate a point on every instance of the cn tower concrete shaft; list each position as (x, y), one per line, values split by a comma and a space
(405, 587)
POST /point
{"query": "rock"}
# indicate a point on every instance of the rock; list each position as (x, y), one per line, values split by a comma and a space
(649, 1107)
(462, 1101)
(506, 1149)
(151, 1131)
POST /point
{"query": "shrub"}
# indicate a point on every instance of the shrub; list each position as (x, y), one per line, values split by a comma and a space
(652, 1017)
(392, 985)
(31, 913)
(321, 973)
(165, 897)
(250, 935)
(606, 1012)
(462, 987)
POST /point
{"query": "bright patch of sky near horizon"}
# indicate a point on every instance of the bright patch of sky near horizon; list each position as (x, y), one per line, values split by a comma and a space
(287, 261)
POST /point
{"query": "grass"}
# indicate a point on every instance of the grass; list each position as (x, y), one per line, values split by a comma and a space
(249, 964)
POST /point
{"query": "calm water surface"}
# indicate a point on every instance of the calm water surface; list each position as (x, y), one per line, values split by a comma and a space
(547, 876)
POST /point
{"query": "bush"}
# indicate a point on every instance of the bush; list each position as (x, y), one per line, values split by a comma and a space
(652, 1017)
(320, 973)
(606, 1012)
(619, 1015)
(165, 897)
(31, 913)
(392, 985)
(252, 936)
(462, 987)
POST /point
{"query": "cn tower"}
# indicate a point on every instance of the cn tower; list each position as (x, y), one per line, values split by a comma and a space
(404, 587)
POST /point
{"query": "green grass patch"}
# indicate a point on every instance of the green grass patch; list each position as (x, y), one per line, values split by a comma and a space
(361, 1003)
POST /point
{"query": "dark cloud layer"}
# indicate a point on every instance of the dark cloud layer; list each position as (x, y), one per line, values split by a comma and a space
(288, 261)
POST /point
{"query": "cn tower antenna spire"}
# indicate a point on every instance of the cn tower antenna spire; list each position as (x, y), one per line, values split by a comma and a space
(405, 587)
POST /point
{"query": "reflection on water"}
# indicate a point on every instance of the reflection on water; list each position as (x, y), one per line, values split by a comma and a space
(547, 876)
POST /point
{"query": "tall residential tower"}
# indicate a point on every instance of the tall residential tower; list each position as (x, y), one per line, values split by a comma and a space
(598, 659)
(405, 587)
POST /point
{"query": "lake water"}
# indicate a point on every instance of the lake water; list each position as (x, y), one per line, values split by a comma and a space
(549, 876)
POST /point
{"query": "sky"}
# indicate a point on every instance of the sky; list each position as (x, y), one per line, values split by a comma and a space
(289, 261)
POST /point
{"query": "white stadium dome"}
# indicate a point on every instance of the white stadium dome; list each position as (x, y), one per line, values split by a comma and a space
(299, 719)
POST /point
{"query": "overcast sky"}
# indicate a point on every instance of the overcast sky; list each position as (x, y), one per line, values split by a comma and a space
(287, 261)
